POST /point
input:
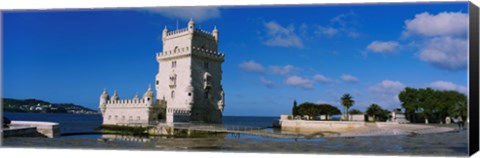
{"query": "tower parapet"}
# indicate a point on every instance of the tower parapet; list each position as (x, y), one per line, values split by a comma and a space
(195, 51)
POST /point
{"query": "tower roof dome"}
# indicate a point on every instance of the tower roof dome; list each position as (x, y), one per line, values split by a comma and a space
(149, 92)
(104, 94)
(115, 95)
(136, 97)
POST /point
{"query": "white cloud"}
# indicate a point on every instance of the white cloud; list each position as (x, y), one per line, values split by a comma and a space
(185, 13)
(267, 83)
(282, 36)
(297, 81)
(321, 78)
(342, 24)
(282, 70)
(383, 47)
(444, 85)
(252, 66)
(386, 93)
(349, 78)
(442, 24)
(446, 53)
(388, 86)
(328, 31)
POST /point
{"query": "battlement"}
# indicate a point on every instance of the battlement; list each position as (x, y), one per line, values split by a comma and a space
(178, 31)
(184, 31)
(127, 103)
(204, 33)
(178, 111)
(195, 51)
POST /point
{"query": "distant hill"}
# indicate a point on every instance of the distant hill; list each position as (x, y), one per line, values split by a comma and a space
(40, 106)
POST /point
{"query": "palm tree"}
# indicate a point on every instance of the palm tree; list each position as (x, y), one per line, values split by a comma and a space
(347, 102)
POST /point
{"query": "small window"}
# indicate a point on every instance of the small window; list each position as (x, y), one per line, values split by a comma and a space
(189, 94)
(109, 117)
(156, 82)
(138, 117)
(173, 94)
(174, 64)
(148, 99)
(206, 95)
(123, 117)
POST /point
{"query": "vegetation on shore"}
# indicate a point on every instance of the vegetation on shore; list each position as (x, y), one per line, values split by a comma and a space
(421, 105)
(432, 105)
(126, 130)
(312, 109)
(40, 106)
(347, 102)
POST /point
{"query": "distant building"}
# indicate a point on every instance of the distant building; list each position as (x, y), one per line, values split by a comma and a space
(188, 83)
(397, 116)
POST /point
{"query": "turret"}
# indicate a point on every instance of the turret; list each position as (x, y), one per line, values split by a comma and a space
(215, 34)
(148, 96)
(136, 97)
(103, 100)
(115, 95)
(191, 25)
(165, 32)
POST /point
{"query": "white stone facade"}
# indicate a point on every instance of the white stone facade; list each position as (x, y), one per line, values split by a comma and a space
(190, 74)
(188, 83)
(116, 111)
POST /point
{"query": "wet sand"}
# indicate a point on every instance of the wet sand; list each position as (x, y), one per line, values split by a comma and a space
(453, 143)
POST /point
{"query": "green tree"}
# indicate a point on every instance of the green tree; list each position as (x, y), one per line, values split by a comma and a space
(410, 102)
(355, 111)
(374, 110)
(294, 109)
(328, 110)
(459, 109)
(432, 104)
(347, 102)
(310, 109)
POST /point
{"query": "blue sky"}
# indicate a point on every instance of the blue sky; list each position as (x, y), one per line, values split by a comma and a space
(274, 54)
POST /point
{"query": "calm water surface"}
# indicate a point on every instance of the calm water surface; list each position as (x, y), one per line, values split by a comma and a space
(441, 144)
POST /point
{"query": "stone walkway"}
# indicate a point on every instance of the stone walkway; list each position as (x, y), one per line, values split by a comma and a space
(395, 129)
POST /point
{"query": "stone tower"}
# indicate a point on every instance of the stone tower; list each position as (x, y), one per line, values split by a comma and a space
(189, 77)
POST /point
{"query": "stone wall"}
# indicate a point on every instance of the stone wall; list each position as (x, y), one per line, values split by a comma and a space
(311, 126)
(48, 129)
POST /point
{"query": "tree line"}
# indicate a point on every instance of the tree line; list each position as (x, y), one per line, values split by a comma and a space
(428, 105)
(421, 105)
(312, 109)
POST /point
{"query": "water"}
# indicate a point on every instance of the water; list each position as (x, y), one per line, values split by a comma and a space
(75, 123)
(440, 144)
(69, 123)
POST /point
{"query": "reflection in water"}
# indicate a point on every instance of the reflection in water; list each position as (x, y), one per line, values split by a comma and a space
(440, 144)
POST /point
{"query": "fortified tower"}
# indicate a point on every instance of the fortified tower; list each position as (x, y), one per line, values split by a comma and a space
(189, 77)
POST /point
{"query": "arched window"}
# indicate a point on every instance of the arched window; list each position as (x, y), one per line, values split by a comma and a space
(173, 94)
(206, 81)
(176, 49)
